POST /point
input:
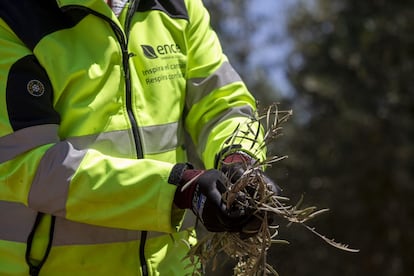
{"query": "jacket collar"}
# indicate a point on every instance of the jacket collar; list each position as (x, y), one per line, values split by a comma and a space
(96, 5)
(86, 3)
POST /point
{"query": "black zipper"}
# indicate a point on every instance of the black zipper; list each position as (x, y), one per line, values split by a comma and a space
(123, 41)
(133, 6)
(125, 64)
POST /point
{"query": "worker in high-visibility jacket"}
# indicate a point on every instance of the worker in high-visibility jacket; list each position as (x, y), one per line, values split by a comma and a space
(95, 107)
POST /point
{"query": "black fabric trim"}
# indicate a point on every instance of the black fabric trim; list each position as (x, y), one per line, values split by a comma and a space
(33, 20)
(173, 8)
(26, 109)
(34, 269)
(143, 260)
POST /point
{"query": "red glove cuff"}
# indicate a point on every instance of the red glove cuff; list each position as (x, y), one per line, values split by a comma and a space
(183, 197)
(237, 157)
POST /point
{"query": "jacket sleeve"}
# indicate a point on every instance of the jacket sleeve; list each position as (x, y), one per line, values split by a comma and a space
(48, 174)
(217, 100)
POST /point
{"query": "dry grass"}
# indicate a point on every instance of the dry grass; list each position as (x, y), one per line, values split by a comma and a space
(249, 248)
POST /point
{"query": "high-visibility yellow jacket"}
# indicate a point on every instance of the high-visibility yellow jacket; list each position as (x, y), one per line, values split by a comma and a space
(94, 111)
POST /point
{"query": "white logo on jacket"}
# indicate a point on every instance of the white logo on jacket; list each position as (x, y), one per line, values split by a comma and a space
(35, 88)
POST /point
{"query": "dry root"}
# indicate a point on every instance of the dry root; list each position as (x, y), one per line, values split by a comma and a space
(249, 247)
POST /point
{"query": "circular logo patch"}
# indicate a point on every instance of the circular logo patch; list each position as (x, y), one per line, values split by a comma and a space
(35, 88)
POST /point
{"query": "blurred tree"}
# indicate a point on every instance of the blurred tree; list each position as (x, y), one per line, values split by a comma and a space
(228, 19)
(350, 141)
(350, 144)
(235, 26)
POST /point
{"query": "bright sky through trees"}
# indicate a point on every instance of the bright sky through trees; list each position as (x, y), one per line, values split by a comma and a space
(271, 40)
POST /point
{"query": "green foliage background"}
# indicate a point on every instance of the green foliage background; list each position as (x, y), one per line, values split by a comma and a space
(350, 141)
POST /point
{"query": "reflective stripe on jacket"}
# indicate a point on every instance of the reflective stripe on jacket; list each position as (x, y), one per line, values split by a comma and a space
(93, 118)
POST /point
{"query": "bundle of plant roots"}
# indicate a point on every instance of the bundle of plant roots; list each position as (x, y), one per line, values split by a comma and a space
(249, 247)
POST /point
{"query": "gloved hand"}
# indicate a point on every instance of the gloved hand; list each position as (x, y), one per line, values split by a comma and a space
(234, 166)
(201, 191)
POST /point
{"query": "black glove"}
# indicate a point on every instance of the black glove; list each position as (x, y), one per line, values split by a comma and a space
(234, 166)
(202, 191)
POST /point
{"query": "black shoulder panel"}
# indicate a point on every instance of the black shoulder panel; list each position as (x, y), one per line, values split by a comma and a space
(32, 20)
(174, 8)
(29, 95)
